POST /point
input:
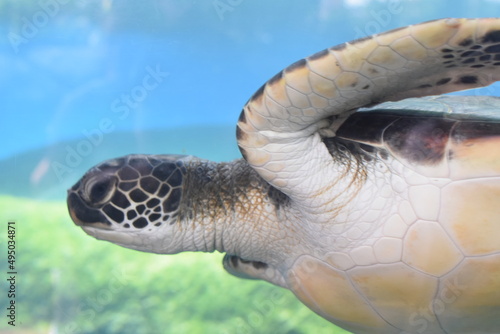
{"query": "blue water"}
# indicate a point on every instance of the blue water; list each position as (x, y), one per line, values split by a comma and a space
(70, 71)
(150, 76)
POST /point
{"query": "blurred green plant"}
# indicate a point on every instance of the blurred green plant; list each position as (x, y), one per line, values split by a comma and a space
(69, 282)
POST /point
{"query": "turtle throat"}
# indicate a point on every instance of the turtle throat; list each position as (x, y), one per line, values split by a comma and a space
(227, 207)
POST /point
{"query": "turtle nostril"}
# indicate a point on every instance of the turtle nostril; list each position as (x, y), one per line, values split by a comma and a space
(81, 213)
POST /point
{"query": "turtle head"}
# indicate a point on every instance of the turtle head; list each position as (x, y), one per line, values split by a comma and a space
(132, 201)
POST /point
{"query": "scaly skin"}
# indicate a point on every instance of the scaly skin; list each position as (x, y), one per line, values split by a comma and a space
(390, 227)
(188, 204)
(278, 130)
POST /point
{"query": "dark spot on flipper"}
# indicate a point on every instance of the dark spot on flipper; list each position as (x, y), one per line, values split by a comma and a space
(366, 87)
(140, 222)
(468, 79)
(477, 66)
(277, 77)
(242, 118)
(138, 196)
(243, 153)
(471, 54)
(493, 49)
(319, 55)
(443, 81)
(485, 57)
(476, 47)
(492, 37)
(295, 66)
(120, 200)
(425, 86)
(497, 57)
(113, 213)
(342, 46)
(446, 50)
(258, 93)
(449, 56)
(465, 42)
(469, 61)
(158, 224)
(240, 135)
(126, 225)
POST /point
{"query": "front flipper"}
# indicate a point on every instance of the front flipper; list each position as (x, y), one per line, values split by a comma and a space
(278, 130)
(238, 267)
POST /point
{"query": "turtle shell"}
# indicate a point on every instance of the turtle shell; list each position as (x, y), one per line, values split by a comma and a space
(431, 265)
(446, 106)
(428, 135)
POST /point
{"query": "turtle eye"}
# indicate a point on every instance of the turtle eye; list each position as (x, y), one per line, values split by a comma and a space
(99, 189)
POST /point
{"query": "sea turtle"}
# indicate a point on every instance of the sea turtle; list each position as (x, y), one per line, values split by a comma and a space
(382, 220)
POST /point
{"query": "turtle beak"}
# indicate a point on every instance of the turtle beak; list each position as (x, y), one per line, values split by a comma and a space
(84, 215)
